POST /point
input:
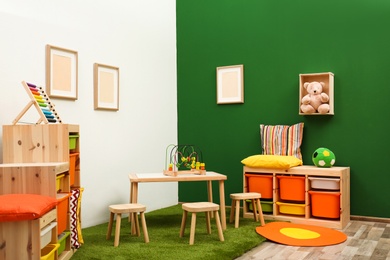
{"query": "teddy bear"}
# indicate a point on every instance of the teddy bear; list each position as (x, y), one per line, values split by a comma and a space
(316, 100)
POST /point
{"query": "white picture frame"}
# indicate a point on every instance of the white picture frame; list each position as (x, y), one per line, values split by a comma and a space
(106, 87)
(230, 84)
(61, 73)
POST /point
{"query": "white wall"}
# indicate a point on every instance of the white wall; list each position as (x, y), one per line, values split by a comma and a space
(139, 37)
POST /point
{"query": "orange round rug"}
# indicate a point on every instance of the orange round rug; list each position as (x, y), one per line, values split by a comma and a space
(300, 235)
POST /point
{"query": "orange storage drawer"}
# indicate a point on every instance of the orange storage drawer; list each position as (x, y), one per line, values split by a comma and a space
(72, 167)
(62, 212)
(292, 188)
(260, 183)
(325, 204)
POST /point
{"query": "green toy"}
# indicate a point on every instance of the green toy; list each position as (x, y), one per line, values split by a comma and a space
(323, 157)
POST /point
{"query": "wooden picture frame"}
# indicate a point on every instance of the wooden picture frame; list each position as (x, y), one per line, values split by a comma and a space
(61, 73)
(230, 84)
(106, 87)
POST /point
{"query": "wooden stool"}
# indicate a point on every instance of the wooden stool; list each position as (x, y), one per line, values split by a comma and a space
(254, 197)
(195, 207)
(133, 209)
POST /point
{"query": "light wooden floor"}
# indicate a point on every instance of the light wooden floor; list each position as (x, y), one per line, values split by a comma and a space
(366, 241)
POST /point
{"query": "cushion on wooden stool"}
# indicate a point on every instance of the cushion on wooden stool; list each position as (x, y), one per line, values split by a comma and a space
(18, 207)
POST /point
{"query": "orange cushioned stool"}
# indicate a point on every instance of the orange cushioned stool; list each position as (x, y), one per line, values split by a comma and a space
(254, 197)
(133, 209)
(195, 207)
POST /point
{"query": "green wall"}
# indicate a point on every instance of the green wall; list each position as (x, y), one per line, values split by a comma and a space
(276, 41)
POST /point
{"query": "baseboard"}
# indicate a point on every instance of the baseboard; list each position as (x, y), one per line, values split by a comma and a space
(370, 219)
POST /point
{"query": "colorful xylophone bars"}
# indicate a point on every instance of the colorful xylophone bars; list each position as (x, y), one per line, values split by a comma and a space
(42, 103)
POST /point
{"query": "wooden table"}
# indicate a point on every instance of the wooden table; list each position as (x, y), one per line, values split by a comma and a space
(136, 178)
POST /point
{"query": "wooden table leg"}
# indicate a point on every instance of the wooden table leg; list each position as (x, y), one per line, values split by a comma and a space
(133, 199)
(209, 191)
(210, 194)
(135, 192)
(222, 203)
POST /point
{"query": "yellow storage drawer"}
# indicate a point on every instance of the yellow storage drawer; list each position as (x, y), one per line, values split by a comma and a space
(291, 208)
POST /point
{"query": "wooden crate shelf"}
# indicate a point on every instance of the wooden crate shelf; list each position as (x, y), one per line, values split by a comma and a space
(328, 79)
(340, 173)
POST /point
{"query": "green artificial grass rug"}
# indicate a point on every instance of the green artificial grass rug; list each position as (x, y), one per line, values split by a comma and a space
(165, 243)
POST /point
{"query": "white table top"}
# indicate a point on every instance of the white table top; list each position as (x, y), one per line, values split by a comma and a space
(160, 177)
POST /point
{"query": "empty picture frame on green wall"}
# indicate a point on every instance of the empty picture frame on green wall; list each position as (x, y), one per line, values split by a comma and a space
(230, 84)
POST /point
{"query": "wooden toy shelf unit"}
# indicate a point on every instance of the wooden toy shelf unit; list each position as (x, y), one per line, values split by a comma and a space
(41, 101)
(42, 144)
(303, 194)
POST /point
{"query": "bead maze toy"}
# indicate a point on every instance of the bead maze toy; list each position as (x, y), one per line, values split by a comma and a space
(184, 159)
(41, 101)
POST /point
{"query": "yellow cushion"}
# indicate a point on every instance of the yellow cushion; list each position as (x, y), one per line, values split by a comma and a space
(271, 161)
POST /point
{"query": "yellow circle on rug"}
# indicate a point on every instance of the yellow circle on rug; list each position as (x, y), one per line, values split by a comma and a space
(299, 233)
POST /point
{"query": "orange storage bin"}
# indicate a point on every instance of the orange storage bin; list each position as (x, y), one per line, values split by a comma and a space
(292, 188)
(325, 204)
(62, 211)
(72, 167)
(260, 183)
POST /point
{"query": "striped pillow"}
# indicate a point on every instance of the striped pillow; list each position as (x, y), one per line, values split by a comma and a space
(282, 139)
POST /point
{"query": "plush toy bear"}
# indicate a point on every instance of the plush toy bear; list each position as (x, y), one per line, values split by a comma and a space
(316, 100)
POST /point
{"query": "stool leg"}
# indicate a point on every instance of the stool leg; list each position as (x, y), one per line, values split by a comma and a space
(208, 226)
(254, 209)
(183, 223)
(193, 224)
(144, 228)
(110, 221)
(133, 227)
(237, 213)
(232, 211)
(117, 229)
(261, 216)
(219, 226)
(137, 231)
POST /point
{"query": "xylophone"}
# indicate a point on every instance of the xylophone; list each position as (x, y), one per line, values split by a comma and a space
(41, 102)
